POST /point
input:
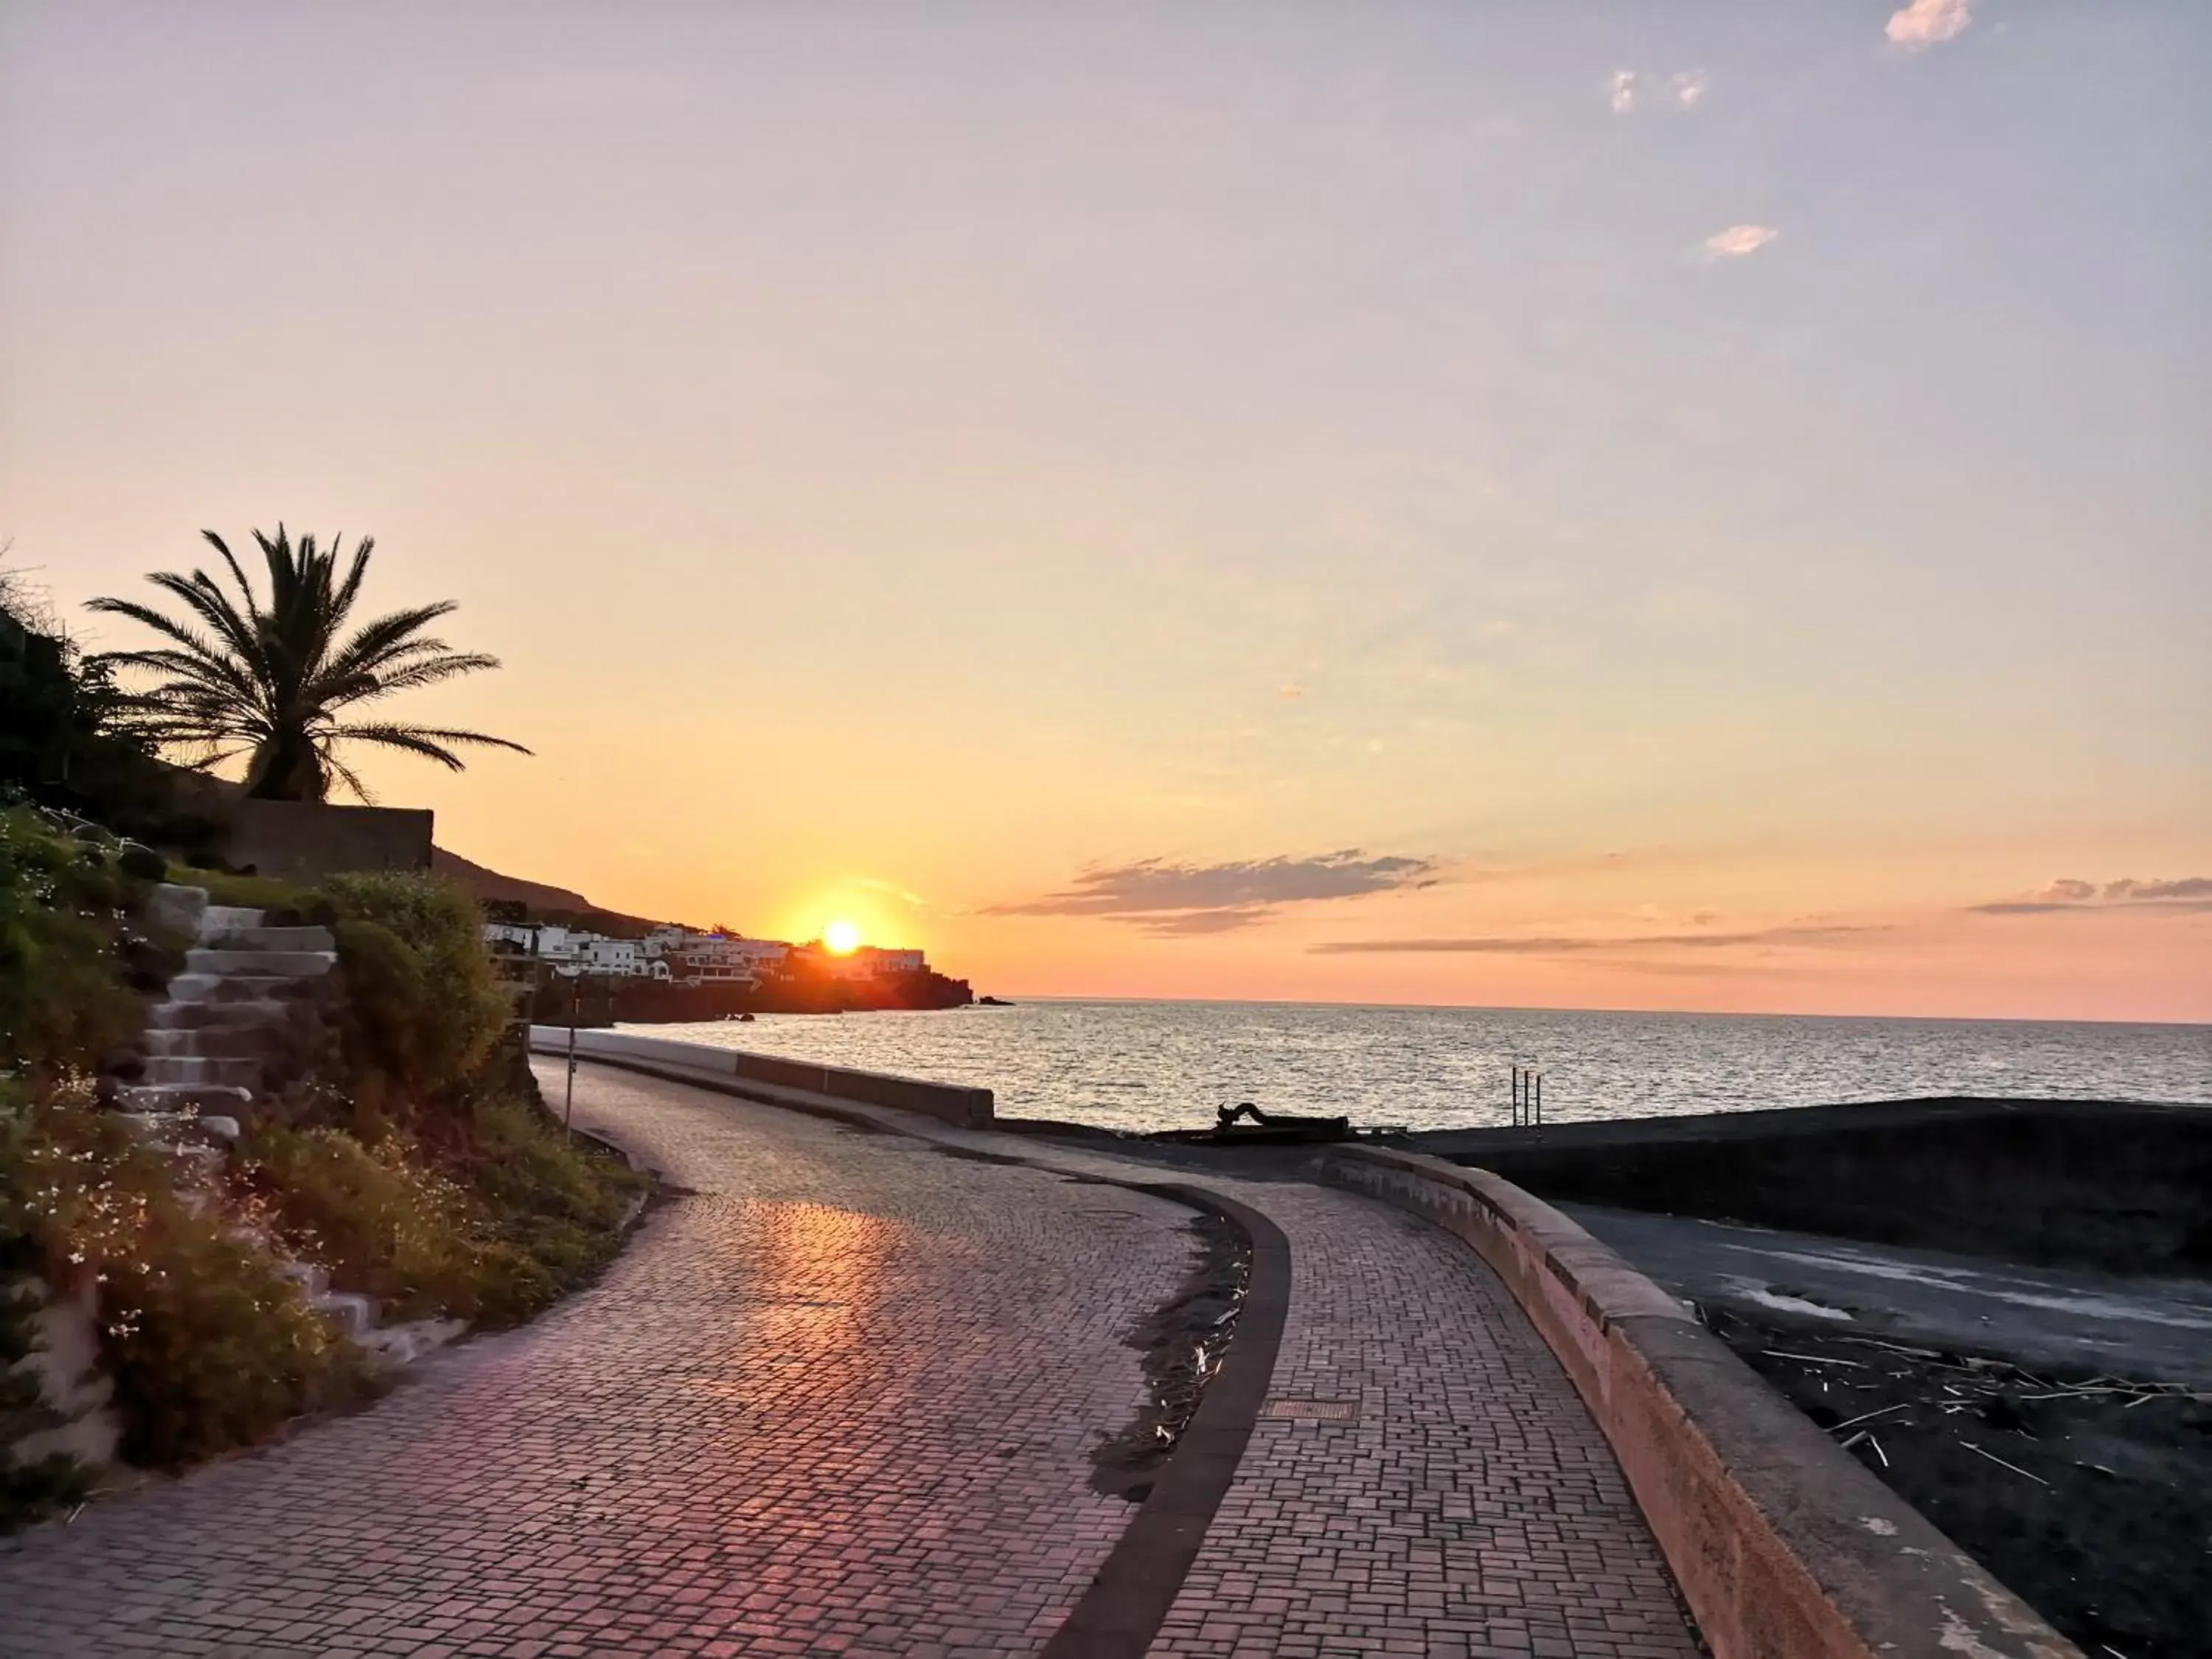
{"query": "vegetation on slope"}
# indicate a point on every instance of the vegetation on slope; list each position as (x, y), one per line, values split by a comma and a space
(411, 1161)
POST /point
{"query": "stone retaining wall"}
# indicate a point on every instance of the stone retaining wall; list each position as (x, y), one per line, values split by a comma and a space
(769, 1077)
(1784, 1547)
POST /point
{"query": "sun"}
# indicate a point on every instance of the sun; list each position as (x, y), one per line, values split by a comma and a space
(842, 938)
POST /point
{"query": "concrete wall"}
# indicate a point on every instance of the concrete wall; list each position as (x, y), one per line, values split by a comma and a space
(1783, 1546)
(299, 840)
(769, 1077)
(2124, 1187)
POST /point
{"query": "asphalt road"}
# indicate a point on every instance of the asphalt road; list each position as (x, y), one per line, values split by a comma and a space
(2153, 1330)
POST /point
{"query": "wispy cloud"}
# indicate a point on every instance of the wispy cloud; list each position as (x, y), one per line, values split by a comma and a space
(1518, 945)
(1737, 242)
(892, 890)
(2184, 895)
(2129, 890)
(1923, 23)
(1628, 90)
(1185, 899)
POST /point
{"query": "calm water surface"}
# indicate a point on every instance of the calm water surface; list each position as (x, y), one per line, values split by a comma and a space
(1168, 1065)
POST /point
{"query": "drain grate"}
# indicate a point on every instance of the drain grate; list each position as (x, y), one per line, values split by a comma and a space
(1313, 1411)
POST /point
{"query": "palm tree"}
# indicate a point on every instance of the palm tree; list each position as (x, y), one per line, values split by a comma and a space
(275, 680)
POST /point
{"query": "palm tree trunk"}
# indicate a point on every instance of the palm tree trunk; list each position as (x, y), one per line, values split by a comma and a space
(287, 768)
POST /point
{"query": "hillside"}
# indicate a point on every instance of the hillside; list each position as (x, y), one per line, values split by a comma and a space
(544, 902)
(490, 884)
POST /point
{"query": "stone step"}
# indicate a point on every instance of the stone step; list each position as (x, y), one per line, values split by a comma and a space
(177, 909)
(286, 964)
(312, 1281)
(392, 1345)
(232, 988)
(242, 1071)
(249, 1014)
(355, 1313)
(224, 1098)
(229, 917)
(184, 1129)
(254, 1041)
(269, 939)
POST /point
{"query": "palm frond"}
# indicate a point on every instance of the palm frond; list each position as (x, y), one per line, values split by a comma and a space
(423, 738)
(271, 672)
(429, 672)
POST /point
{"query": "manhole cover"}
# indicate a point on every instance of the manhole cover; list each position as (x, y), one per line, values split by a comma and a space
(1313, 1411)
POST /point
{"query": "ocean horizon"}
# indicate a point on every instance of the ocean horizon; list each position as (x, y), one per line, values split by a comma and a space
(1147, 1065)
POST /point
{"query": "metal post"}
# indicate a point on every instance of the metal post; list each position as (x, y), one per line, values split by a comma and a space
(1539, 1100)
(575, 992)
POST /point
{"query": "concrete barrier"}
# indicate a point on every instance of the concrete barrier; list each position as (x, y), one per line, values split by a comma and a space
(769, 1078)
(1784, 1547)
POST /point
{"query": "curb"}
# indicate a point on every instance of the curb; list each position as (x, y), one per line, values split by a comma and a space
(1128, 1600)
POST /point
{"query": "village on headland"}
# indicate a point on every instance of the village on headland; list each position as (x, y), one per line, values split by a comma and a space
(670, 973)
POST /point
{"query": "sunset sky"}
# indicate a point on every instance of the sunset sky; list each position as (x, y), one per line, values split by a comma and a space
(1699, 506)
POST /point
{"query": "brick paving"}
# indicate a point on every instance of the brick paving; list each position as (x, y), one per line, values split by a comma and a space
(841, 1401)
(1470, 1508)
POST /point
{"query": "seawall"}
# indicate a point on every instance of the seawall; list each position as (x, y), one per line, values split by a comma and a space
(2122, 1187)
(769, 1078)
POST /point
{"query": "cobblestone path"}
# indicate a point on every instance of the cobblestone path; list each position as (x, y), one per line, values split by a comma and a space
(841, 1399)
(1469, 1510)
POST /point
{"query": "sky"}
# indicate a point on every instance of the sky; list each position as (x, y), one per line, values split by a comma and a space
(1694, 507)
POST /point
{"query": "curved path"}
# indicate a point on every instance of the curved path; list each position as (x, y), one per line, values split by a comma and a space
(841, 1398)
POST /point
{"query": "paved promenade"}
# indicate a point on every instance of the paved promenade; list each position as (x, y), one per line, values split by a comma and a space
(841, 1398)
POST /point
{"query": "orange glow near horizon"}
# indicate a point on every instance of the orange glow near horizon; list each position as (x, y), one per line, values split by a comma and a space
(925, 487)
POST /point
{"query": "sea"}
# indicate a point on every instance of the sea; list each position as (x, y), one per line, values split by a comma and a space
(1143, 1065)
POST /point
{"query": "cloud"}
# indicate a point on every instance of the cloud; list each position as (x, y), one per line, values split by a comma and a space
(891, 889)
(1627, 91)
(1923, 23)
(1185, 899)
(1514, 944)
(1736, 242)
(2186, 895)
(2158, 892)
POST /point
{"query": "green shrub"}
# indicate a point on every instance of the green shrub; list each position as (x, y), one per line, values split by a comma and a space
(523, 1216)
(27, 1490)
(559, 1203)
(210, 1344)
(423, 1007)
(63, 998)
(244, 892)
(380, 1219)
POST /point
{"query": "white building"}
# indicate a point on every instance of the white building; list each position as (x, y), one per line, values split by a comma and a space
(621, 959)
(674, 954)
(866, 962)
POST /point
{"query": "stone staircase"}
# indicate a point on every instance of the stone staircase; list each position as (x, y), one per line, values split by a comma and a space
(208, 1045)
(245, 993)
